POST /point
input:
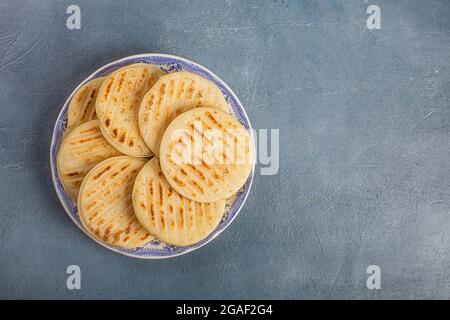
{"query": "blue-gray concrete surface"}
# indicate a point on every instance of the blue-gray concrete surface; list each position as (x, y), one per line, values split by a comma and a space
(364, 120)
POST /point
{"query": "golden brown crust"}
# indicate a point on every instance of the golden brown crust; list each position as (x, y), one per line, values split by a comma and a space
(118, 104)
(169, 216)
(206, 154)
(82, 105)
(105, 205)
(79, 152)
(172, 95)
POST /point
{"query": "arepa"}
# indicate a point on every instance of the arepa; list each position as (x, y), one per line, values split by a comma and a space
(118, 105)
(172, 95)
(80, 151)
(169, 216)
(206, 154)
(82, 105)
(105, 206)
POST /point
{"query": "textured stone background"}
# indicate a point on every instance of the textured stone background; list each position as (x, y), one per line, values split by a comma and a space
(364, 123)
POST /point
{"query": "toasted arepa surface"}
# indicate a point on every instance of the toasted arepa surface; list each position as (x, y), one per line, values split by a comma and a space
(80, 151)
(206, 154)
(169, 216)
(118, 103)
(82, 105)
(172, 95)
(105, 206)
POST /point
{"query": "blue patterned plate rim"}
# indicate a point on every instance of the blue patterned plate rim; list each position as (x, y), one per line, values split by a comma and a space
(154, 249)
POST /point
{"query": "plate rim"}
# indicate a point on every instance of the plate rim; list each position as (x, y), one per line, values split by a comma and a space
(54, 172)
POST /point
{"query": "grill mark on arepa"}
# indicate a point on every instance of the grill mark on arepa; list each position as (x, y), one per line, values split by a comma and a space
(214, 120)
(76, 150)
(200, 133)
(179, 182)
(122, 137)
(111, 115)
(161, 194)
(181, 212)
(150, 196)
(190, 90)
(162, 217)
(105, 182)
(199, 97)
(98, 175)
(170, 191)
(111, 200)
(71, 174)
(148, 105)
(210, 122)
(191, 215)
(167, 102)
(200, 213)
(134, 133)
(141, 233)
(171, 88)
(94, 153)
(198, 174)
(181, 88)
(116, 235)
(124, 216)
(151, 80)
(84, 140)
(152, 215)
(172, 218)
(162, 92)
(93, 114)
(131, 92)
(94, 128)
(87, 105)
(105, 236)
(108, 89)
(121, 80)
(138, 91)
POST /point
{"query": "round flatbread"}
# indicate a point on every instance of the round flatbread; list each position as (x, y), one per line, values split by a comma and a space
(168, 215)
(206, 154)
(172, 95)
(118, 104)
(82, 105)
(80, 151)
(105, 206)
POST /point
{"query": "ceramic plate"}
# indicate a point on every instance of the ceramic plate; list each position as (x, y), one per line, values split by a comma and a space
(154, 249)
